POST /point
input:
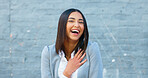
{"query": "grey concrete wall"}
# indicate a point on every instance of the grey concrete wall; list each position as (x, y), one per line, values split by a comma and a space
(120, 27)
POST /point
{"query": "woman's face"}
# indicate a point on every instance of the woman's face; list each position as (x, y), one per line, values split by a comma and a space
(75, 26)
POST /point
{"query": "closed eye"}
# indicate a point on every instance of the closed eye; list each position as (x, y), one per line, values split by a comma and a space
(70, 21)
(81, 22)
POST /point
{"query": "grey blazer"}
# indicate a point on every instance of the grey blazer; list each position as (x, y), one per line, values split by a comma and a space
(92, 68)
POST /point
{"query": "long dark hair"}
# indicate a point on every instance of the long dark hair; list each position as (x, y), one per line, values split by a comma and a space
(61, 34)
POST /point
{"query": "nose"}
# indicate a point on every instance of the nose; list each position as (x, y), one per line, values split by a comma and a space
(76, 24)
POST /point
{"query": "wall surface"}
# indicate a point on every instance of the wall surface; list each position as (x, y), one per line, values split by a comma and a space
(120, 27)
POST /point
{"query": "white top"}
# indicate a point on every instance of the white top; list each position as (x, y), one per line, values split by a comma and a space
(62, 66)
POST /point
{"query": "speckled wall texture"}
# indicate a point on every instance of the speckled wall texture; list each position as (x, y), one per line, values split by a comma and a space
(120, 27)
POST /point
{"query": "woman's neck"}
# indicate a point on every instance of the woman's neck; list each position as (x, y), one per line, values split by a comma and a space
(69, 47)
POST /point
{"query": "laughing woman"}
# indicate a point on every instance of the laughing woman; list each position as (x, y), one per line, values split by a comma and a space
(72, 56)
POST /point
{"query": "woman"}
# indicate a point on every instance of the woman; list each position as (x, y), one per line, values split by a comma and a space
(72, 56)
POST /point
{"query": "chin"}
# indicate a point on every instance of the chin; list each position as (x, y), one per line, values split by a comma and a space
(74, 39)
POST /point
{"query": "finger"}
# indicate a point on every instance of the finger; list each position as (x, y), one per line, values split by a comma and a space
(77, 53)
(70, 59)
(82, 56)
(83, 62)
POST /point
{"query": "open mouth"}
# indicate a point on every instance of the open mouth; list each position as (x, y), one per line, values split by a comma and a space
(75, 31)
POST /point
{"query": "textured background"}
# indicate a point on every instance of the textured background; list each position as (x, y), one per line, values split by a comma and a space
(120, 27)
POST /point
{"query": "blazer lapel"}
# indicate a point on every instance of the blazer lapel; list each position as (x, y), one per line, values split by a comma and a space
(83, 70)
(57, 66)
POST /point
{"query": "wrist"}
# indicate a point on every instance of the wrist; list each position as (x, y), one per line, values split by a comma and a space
(67, 74)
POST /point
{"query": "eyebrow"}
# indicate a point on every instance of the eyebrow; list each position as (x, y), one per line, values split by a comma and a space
(74, 18)
(71, 18)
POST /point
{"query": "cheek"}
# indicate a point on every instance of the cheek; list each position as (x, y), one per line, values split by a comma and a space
(82, 27)
(67, 28)
(67, 31)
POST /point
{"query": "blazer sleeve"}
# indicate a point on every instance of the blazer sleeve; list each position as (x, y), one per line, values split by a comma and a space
(45, 61)
(96, 66)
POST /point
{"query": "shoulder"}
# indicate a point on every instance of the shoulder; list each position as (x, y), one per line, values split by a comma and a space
(48, 49)
(52, 46)
(93, 48)
(92, 45)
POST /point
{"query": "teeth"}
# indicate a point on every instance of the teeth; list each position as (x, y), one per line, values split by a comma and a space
(75, 31)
